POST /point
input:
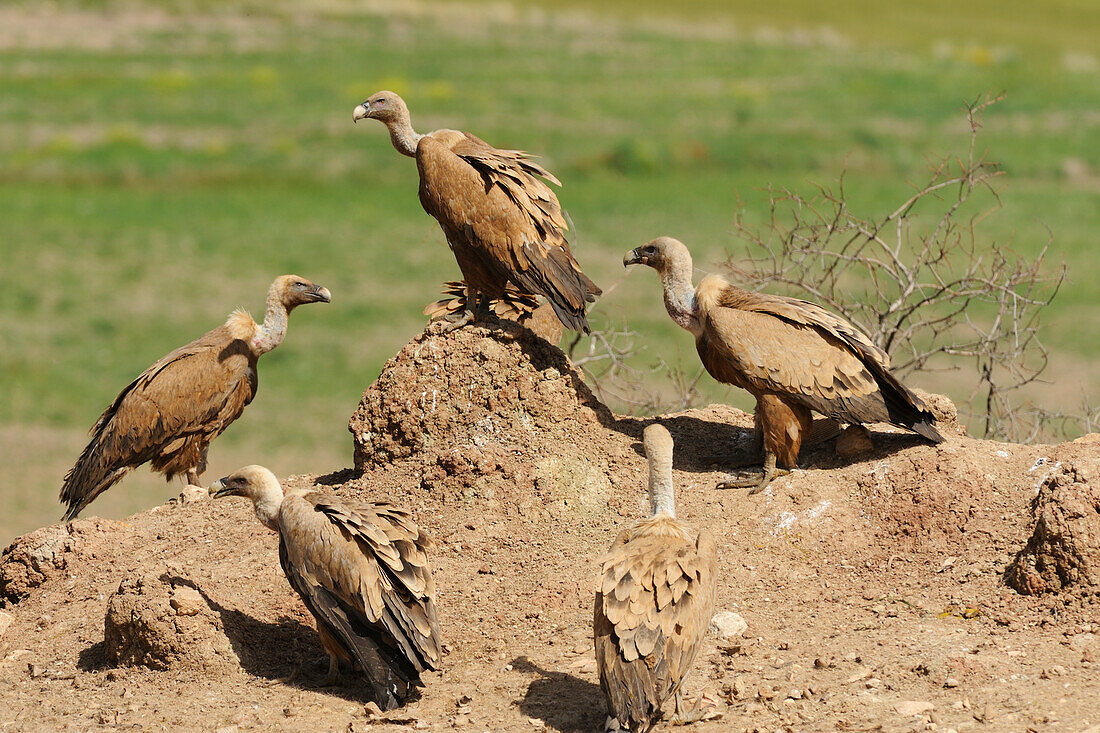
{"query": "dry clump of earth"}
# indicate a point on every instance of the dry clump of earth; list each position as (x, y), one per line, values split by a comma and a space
(901, 587)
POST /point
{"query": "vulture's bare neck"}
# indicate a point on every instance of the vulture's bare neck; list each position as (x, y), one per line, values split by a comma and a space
(267, 506)
(661, 499)
(273, 330)
(403, 136)
(680, 295)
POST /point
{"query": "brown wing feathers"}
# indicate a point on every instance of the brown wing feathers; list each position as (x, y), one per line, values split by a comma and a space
(651, 609)
(840, 372)
(363, 572)
(538, 260)
(167, 415)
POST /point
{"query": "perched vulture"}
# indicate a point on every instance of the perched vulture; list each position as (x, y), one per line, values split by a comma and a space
(171, 412)
(502, 222)
(653, 603)
(791, 355)
(512, 305)
(362, 571)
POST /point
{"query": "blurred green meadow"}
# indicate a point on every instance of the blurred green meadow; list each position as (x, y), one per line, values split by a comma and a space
(161, 163)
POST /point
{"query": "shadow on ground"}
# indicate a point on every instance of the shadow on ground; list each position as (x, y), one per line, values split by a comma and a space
(564, 702)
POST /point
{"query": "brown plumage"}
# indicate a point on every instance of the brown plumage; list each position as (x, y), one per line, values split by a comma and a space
(173, 410)
(501, 220)
(512, 305)
(654, 601)
(791, 355)
(362, 570)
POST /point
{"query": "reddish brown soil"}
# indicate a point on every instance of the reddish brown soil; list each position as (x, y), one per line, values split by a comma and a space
(872, 585)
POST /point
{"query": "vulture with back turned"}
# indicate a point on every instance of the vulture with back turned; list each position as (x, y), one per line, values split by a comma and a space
(175, 408)
(501, 220)
(793, 356)
(362, 571)
(653, 603)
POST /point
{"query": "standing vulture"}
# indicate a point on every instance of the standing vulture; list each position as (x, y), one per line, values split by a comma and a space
(653, 603)
(502, 222)
(791, 355)
(361, 570)
(171, 412)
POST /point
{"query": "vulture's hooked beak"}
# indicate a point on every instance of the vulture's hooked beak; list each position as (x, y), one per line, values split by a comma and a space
(320, 295)
(218, 489)
(360, 112)
(635, 257)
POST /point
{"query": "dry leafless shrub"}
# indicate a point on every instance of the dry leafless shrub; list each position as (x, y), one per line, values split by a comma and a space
(607, 357)
(921, 281)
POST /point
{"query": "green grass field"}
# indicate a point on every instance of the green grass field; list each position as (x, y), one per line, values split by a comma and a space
(160, 164)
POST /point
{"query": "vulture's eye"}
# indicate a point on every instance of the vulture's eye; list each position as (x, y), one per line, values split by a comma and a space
(300, 286)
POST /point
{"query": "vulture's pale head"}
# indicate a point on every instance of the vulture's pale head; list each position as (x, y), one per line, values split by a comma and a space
(258, 484)
(383, 106)
(662, 253)
(294, 291)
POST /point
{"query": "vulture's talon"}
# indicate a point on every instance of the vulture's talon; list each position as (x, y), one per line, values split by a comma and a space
(456, 321)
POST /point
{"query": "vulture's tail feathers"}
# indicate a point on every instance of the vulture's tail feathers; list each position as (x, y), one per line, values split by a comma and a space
(924, 428)
(389, 673)
(90, 477)
(557, 277)
(905, 408)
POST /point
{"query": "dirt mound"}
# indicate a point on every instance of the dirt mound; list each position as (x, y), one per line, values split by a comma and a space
(447, 390)
(156, 621)
(1064, 548)
(871, 582)
(32, 559)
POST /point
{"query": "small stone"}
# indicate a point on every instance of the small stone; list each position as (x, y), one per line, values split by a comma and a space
(35, 670)
(371, 709)
(951, 682)
(794, 695)
(907, 708)
(5, 622)
(727, 625)
(187, 601)
(850, 657)
(873, 684)
(191, 494)
(536, 723)
(485, 570)
(860, 674)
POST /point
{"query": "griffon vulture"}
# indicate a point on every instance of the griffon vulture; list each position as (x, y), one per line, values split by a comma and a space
(791, 355)
(362, 571)
(653, 603)
(502, 222)
(513, 305)
(171, 412)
